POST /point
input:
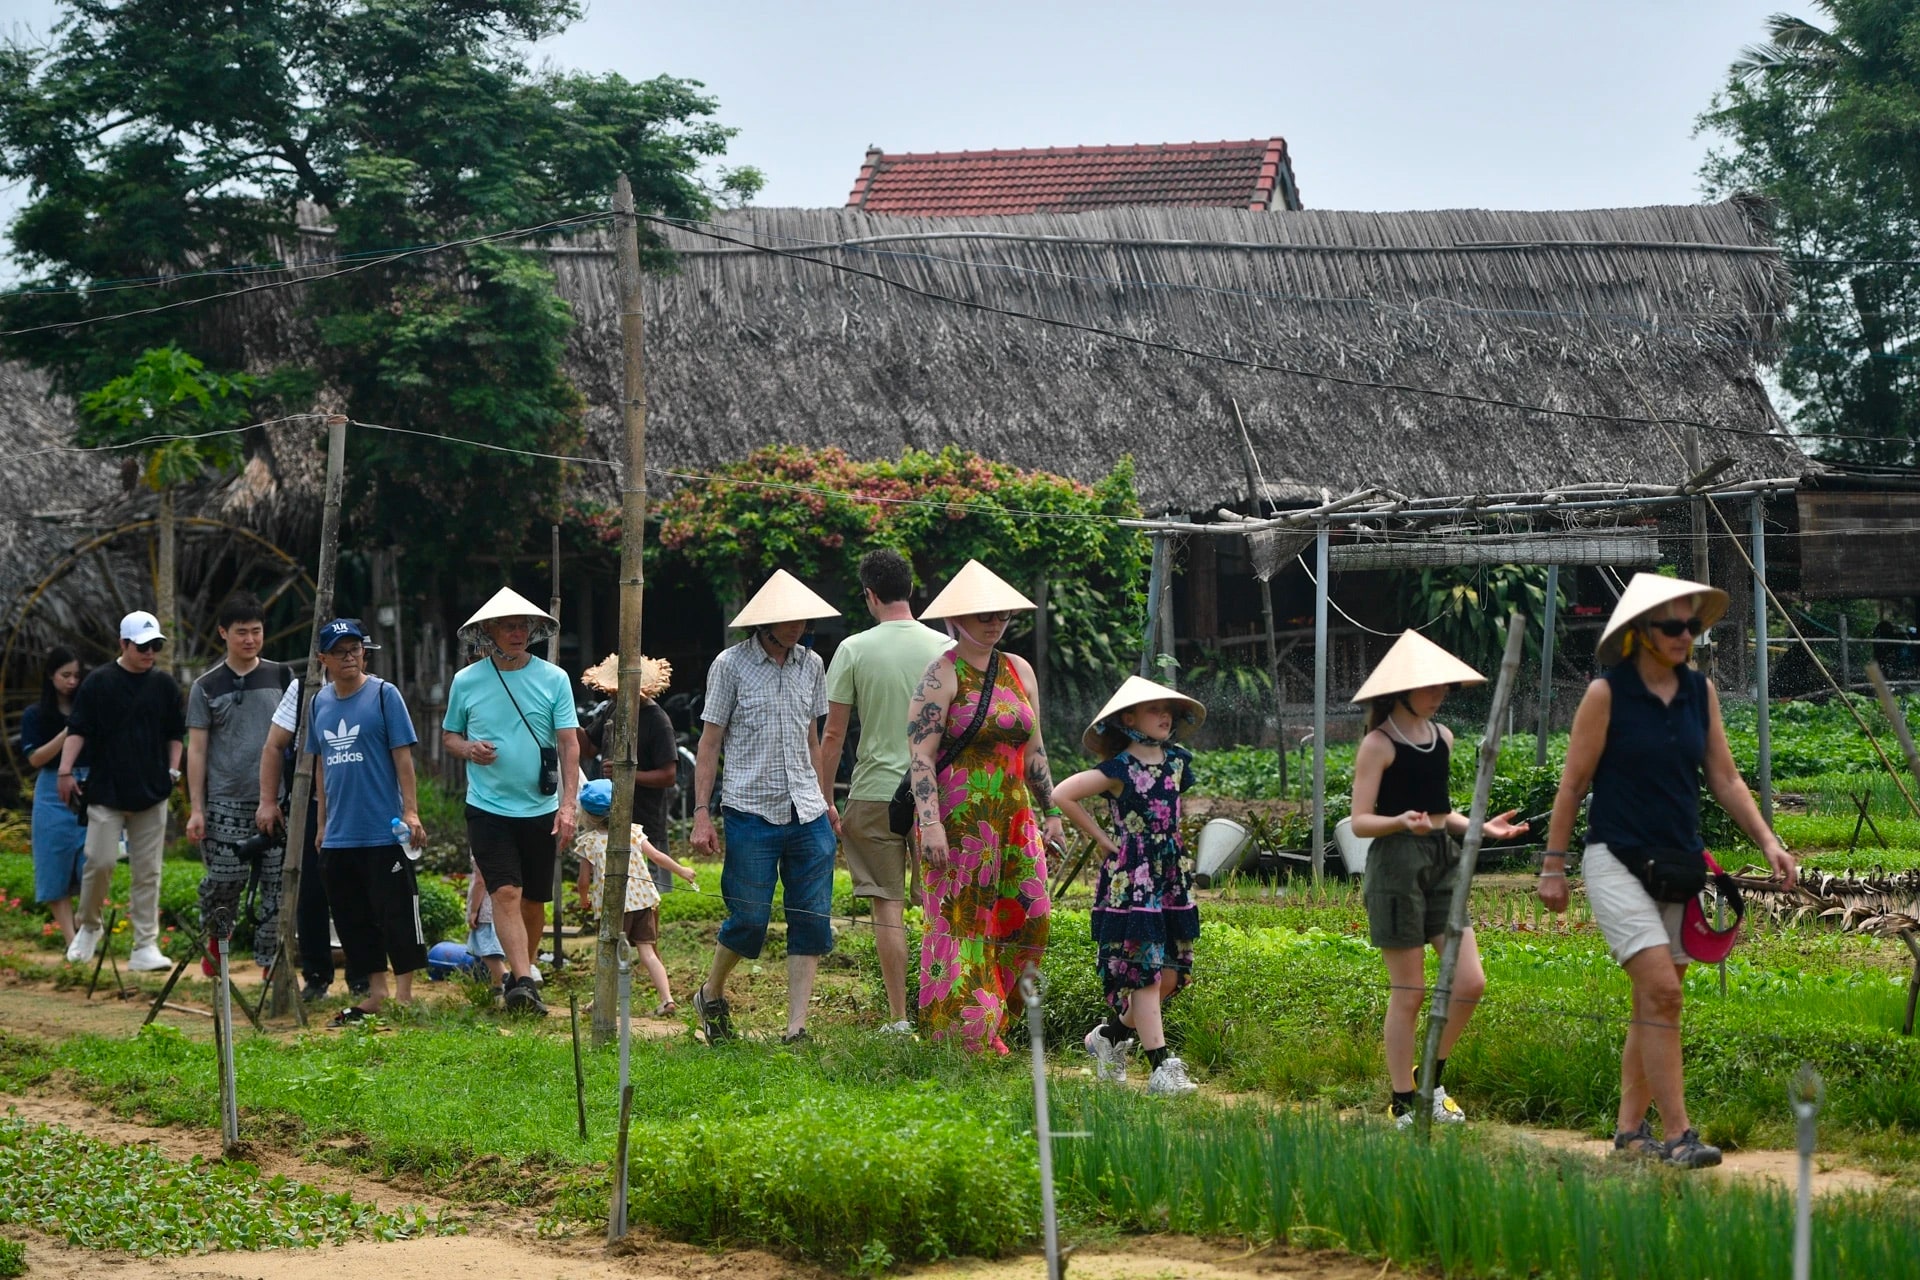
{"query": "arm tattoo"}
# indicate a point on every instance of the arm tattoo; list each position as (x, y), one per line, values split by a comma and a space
(926, 805)
(1039, 776)
(930, 722)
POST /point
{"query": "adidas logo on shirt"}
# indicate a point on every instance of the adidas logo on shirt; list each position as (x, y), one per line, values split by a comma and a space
(341, 740)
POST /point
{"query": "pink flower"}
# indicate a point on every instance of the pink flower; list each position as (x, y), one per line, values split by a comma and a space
(939, 966)
(980, 1020)
(953, 789)
(944, 880)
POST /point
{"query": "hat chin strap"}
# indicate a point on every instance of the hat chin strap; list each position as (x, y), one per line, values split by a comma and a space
(1133, 734)
(956, 629)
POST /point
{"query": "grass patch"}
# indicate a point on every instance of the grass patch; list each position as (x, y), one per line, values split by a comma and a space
(98, 1195)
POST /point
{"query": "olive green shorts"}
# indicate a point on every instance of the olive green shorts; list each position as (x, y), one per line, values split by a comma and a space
(1408, 888)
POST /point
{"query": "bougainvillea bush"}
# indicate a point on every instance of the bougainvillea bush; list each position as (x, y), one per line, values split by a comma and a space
(816, 512)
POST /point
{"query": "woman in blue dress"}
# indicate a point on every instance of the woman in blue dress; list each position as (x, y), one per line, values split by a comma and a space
(59, 841)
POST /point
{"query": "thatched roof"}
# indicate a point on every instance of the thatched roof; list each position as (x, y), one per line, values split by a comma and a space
(1605, 311)
(49, 498)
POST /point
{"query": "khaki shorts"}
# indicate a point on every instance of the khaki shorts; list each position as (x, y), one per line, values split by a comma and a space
(876, 857)
(1628, 916)
(1408, 888)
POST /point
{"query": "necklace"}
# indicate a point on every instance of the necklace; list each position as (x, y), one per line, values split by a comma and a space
(1433, 735)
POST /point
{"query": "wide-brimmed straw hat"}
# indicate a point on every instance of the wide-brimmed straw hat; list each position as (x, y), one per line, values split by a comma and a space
(508, 603)
(783, 598)
(975, 589)
(1647, 592)
(1415, 662)
(1104, 734)
(655, 675)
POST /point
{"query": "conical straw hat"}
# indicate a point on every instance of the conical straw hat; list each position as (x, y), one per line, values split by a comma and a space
(783, 598)
(1647, 592)
(975, 589)
(508, 603)
(1415, 662)
(655, 675)
(1099, 737)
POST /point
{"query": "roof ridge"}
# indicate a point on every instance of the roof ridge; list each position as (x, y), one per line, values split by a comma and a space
(1110, 148)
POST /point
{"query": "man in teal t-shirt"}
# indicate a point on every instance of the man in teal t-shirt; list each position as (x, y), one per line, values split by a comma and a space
(876, 673)
(510, 717)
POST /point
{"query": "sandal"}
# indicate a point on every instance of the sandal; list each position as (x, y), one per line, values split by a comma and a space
(1638, 1144)
(350, 1016)
(666, 1009)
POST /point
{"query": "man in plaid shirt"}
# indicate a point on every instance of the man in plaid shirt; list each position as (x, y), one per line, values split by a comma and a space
(765, 697)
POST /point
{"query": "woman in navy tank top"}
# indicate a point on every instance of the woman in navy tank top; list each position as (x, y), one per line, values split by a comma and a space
(1645, 733)
(1401, 803)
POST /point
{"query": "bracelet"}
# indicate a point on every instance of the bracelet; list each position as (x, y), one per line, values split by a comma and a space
(1053, 811)
(1553, 875)
(924, 824)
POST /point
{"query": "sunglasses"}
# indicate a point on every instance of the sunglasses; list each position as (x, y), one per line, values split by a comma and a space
(999, 615)
(151, 646)
(1677, 627)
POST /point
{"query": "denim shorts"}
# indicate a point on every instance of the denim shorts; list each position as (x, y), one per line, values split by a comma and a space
(799, 855)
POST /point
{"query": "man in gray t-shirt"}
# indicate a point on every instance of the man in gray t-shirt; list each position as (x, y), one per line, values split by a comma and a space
(229, 711)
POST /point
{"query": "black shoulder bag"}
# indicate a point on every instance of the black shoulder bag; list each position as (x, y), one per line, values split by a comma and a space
(549, 756)
(900, 809)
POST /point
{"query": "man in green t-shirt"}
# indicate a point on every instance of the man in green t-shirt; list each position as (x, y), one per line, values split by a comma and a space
(876, 673)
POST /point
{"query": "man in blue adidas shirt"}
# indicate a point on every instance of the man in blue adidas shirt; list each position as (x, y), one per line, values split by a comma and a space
(362, 738)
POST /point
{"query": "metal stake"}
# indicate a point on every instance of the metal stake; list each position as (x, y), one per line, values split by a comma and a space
(625, 970)
(579, 1072)
(1042, 1123)
(223, 1027)
(1321, 538)
(617, 1219)
(1806, 1093)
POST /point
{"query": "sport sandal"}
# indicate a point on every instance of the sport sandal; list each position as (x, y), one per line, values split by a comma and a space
(1688, 1152)
(1637, 1144)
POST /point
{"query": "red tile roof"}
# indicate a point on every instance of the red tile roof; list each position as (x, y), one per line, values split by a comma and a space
(1255, 174)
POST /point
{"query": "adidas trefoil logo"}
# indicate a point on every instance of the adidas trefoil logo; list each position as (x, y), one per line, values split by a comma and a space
(340, 741)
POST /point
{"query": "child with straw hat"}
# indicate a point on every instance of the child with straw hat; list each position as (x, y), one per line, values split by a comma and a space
(1144, 917)
(1400, 802)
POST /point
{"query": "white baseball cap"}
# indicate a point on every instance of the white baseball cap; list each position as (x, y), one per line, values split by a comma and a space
(140, 627)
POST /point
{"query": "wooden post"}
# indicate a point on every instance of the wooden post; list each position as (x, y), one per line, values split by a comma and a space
(283, 973)
(1321, 538)
(167, 589)
(626, 702)
(553, 656)
(1256, 498)
(1895, 717)
(1156, 574)
(1546, 667)
(1846, 658)
(1763, 718)
(1042, 627)
(398, 639)
(1463, 886)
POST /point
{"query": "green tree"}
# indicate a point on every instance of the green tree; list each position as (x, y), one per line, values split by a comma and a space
(168, 393)
(1823, 119)
(161, 137)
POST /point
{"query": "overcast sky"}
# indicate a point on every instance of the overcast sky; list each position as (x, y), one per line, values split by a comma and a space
(1385, 104)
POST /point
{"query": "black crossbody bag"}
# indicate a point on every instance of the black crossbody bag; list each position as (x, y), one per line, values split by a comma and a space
(900, 808)
(1671, 875)
(549, 756)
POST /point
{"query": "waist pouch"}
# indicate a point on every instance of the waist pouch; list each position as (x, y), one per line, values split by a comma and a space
(1671, 875)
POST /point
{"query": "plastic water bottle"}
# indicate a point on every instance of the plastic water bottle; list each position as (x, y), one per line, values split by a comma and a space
(403, 836)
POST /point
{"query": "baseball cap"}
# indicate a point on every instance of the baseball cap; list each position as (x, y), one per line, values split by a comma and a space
(596, 797)
(140, 627)
(344, 629)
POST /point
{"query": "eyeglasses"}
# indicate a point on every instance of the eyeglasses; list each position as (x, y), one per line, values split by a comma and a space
(998, 615)
(151, 646)
(1677, 627)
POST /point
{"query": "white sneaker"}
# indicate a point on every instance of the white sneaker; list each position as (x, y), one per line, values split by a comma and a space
(147, 959)
(1445, 1109)
(900, 1028)
(86, 940)
(533, 971)
(1169, 1080)
(1109, 1059)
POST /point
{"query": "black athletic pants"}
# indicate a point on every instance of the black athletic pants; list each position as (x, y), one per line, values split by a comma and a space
(376, 908)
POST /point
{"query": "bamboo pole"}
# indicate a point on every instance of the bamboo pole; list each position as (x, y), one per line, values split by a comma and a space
(633, 526)
(1546, 667)
(553, 656)
(166, 588)
(1463, 886)
(1320, 642)
(1895, 717)
(297, 802)
(1762, 690)
(1255, 492)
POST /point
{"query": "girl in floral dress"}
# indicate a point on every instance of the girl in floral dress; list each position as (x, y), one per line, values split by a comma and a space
(1144, 917)
(979, 816)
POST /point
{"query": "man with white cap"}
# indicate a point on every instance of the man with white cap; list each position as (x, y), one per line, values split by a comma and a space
(128, 722)
(764, 699)
(510, 716)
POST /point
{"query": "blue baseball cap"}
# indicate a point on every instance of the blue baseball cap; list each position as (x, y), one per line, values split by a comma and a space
(596, 797)
(344, 629)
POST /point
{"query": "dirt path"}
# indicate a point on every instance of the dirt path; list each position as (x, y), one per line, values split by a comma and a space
(1830, 1177)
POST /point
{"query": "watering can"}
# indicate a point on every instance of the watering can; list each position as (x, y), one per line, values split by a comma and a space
(1223, 846)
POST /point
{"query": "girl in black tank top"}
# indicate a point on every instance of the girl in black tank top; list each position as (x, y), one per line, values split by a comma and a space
(1401, 803)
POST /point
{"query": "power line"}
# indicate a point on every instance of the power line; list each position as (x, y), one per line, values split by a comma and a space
(520, 232)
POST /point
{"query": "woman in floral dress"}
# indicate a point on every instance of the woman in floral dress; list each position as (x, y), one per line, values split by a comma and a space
(979, 816)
